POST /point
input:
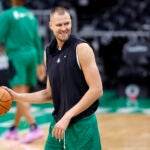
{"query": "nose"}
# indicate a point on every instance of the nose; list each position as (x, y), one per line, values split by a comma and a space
(63, 27)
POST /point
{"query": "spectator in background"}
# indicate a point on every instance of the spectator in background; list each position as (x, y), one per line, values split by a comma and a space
(1, 7)
(19, 33)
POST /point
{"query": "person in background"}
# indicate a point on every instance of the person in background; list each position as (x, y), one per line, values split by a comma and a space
(73, 86)
(19, 34)
(1, 7)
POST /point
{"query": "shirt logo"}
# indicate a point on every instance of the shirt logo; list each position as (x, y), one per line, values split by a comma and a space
(19, 15)
(58, 60)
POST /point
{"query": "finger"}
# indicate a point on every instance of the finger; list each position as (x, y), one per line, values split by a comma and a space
(62, 134)
(59, 134)
(55, 132)
(8, 90)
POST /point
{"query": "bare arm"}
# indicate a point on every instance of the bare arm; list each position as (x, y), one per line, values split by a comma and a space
(35, 97)
(92, 77)
(42, 96)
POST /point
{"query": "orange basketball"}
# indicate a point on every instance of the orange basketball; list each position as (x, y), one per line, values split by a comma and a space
(5, 101)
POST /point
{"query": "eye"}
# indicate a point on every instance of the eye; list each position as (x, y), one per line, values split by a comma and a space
(67, 23)
(58, 25)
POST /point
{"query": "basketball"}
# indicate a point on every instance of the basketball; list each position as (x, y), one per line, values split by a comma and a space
(5, 101)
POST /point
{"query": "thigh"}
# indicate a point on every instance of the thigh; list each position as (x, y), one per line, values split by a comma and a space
(19, 77)
(82, 133)
(52, 143)
(32, 70)
(78, 136)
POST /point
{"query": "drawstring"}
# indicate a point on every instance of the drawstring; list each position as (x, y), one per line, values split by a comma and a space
(64, 141)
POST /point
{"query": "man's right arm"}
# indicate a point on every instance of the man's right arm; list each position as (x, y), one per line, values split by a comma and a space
(42, 96)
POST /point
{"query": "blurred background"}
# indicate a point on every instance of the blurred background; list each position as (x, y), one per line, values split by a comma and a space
(119, 32)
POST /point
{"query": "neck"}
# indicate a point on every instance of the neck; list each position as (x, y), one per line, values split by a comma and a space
(60, 45)
(17, 3)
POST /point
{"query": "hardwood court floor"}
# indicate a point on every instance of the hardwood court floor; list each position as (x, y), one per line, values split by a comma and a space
(125, 132)
(118, 132)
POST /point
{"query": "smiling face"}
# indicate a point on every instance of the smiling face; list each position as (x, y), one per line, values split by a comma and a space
(60, 24)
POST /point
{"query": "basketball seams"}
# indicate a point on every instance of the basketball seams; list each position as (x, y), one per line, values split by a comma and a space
(1, 98)
(5, 101)
(2, 95)
(4, 107)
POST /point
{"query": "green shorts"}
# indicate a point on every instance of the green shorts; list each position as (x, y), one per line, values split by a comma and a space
(82, 135)
(25, 65)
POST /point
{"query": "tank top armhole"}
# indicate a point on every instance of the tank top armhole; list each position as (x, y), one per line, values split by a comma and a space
(78, 59)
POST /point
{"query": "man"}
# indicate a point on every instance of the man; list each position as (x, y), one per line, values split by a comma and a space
(73, 85)
(19, 33)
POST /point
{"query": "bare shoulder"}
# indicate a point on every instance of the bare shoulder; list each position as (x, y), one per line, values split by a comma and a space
(84, 47)
(84, 50)
(86, 56)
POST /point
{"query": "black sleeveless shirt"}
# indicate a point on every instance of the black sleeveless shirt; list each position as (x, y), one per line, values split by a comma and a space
(66, 78)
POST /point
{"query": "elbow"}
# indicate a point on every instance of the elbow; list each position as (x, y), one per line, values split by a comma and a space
(98, 92)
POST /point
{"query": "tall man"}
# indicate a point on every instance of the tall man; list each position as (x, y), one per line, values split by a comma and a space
(73, 85)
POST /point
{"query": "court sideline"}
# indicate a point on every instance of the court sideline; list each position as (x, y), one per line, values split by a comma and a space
(121, 127)
(118, 132)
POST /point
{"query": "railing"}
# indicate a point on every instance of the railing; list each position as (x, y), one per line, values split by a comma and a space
(87, 33)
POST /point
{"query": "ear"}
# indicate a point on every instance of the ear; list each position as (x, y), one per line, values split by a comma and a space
(50, 25)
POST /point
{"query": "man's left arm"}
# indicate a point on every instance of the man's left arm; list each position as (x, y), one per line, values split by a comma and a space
(92, 77)
(95, 91)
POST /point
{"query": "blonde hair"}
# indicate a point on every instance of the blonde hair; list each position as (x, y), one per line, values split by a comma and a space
(59, 10)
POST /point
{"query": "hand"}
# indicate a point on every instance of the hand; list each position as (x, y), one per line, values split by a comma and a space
(60, 127)
(11, 92)
(41, 72)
